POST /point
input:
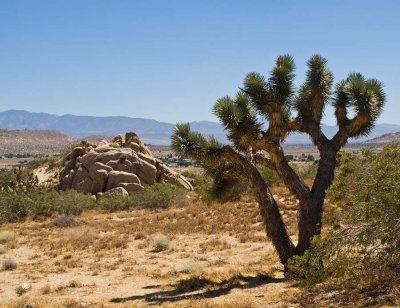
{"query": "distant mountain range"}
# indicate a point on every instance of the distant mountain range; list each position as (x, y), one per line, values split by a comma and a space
(151, 131)
(385, 138)
(33, 141)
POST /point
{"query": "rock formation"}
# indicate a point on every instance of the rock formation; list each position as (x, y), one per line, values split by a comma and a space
(125, 165)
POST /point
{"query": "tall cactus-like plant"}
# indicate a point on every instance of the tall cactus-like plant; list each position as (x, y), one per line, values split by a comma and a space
(284, 110)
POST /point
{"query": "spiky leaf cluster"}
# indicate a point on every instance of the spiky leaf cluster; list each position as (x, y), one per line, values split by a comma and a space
(239, 120)
(207, 151)
(365, 96)
(273, 100)
(314, 92)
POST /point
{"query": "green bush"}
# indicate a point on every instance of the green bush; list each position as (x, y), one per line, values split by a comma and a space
(42, 203)
(308, 172)
(195, 179)
(14, 207)
(18, 180)
(161, 243)
(39, 161)
(270, 176)
(116, 203)
(309, 267)
(63, 202)
(158, 195)
(366, 190)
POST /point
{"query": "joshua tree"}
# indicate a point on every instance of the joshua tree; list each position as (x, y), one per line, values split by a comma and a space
(284, 110)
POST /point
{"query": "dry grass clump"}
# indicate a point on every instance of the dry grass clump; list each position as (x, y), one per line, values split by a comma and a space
(193, 268)
(139, 236)
(65, 221)
(252, 237)
(74, 284)
(161, 243)
(215, 244)
(87, 238)
(9, 265)
(46, 289)
(7, 236)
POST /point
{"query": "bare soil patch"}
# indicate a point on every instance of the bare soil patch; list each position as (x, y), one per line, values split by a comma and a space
(216, 255)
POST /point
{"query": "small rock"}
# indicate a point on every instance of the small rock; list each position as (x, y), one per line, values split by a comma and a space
(23, 288)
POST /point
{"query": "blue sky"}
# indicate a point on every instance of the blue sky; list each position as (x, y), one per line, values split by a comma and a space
(170, 60)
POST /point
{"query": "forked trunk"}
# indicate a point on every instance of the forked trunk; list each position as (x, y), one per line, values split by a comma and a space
(311, 209)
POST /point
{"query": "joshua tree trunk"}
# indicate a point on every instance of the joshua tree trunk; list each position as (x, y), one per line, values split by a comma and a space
(311, 208)
(274, 225)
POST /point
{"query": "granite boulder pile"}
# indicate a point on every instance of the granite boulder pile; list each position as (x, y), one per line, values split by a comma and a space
(122, 166)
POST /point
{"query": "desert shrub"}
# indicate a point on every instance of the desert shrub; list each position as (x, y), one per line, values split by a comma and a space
(367, 248)
(307, 171)
(193, 268)
(42, 203)
(367, 190)
(158, 195)
(50, 161)
(116, 203)
(309, 267)
(71, 202)
(46, 289)
(194, 178)
(161, 243)
(65, 221)
(270, 176)
(14, 207)
(9, 265)
(18, 180)
(7, 236)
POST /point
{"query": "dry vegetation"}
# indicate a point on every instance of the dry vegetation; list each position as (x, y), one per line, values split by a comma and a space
(197, 255)
(192, 254)
(200, 255)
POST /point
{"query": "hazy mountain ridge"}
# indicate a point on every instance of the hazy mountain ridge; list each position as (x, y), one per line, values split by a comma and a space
(151, 131)
(33, 141)
(385, 138)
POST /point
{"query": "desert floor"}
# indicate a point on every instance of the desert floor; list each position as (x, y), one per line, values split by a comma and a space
(193, 255)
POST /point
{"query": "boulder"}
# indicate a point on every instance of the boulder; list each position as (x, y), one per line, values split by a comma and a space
(131, 187)
(117, 191)
(124, 165)
(117, 177)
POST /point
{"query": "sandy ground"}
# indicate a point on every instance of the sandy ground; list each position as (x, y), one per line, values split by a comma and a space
(212, 255)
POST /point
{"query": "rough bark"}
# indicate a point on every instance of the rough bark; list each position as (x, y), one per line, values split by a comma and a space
(274, 225)
(311, 209)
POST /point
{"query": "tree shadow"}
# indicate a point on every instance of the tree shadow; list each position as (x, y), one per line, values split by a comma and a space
(200, 288)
